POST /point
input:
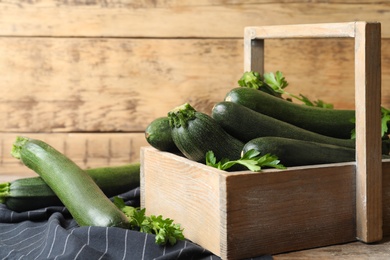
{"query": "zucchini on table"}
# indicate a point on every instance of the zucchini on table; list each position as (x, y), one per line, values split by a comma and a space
(33, 193)
(85, 201)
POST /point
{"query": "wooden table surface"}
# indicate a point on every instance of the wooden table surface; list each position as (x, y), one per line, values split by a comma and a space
(349, 251)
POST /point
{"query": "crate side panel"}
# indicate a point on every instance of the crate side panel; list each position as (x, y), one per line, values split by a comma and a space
(185, 191)
(300, 208)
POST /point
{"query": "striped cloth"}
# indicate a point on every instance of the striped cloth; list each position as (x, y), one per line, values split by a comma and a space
(51, 233)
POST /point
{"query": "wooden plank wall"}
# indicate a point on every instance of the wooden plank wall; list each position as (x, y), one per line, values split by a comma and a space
(88, 76)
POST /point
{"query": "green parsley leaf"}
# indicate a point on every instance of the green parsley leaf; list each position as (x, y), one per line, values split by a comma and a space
(278, 83)
(251, 160)
(164, 228)
(385, 119)
(252, 79)
(315, 103)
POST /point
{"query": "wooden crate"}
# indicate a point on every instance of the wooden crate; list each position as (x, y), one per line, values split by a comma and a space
(245, 214)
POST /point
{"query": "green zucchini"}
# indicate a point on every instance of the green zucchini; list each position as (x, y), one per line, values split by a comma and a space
(158, 135)
(196, 133)
(246, 124)
(86, 202)
(330, 122)
(293, 152)
(33, 193)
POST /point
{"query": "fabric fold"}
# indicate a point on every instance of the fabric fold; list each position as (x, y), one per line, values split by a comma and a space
(51, 233)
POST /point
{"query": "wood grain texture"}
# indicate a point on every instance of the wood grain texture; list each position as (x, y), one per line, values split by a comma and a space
(87, 150)
(77, 85)
(368, 132)
(88, 84)
(245, 214)
(188, 19)
(269, 212)
(87, 75)
(176, 189)
(319, 30)
(349, 251)
(386, 197)
(280, 211)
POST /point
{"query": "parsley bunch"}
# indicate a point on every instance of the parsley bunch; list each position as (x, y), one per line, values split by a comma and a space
(164, 228)
(251, 160)
(277, 83)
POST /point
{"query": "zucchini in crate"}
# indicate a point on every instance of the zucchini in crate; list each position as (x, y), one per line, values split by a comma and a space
(33, 193)
(246, 124)
(158, 135)
(330, 122)
(85, 201)
(293, 152)
(195, 133)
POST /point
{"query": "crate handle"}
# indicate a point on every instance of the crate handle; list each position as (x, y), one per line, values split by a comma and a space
(367, 36)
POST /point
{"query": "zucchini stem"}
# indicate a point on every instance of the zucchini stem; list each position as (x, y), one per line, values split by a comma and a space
(17, 146)
(179, 116)
(4, 191)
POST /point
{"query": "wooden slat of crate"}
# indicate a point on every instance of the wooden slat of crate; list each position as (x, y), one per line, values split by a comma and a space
(369, 216)
(281, 211)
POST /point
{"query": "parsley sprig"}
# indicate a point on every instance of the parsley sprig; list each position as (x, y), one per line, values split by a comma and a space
(165, 230)
(278, 83)
(254, 80)
(251, 159)
(385, 119)
(275, 84)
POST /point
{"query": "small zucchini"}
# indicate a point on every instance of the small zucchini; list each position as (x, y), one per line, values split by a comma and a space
(196, 133)
(158, 135)
(85, 201)
(330, 122)
(33, 193)
(293, 152)
(246, 124)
